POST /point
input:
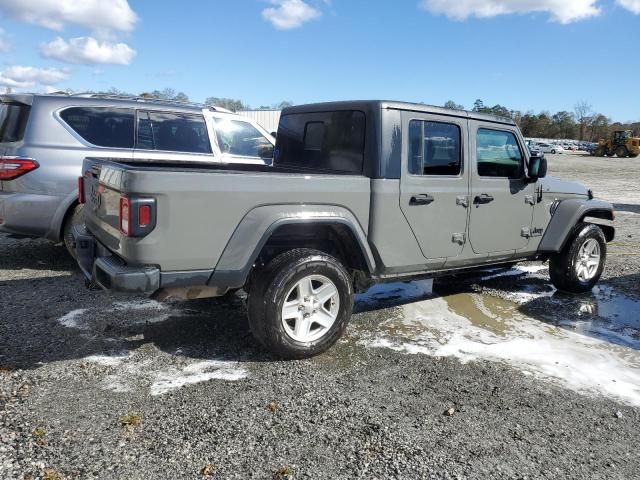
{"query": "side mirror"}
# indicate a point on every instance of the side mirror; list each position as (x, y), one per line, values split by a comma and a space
(537, 167)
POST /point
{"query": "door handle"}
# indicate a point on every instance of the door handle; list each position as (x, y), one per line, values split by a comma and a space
(483, 199)
(422, 199)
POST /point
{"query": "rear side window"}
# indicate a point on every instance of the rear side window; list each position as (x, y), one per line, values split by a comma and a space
(102, 126)
(434, 148)
(13, 121)
(498, 154)
(173, 132)
(322, 141)
(241, 138)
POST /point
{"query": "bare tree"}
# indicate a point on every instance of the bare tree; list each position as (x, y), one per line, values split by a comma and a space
(582, 112)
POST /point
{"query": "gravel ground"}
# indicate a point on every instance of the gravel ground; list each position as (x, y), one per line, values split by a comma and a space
(93, 386)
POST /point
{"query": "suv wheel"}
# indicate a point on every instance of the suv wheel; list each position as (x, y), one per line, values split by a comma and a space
(300, 304)
(578, 267)
(73, 218)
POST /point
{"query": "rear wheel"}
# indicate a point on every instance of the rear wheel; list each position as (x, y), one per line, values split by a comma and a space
(300, 304)
(622, 152)
(73, 218)
(580, 264)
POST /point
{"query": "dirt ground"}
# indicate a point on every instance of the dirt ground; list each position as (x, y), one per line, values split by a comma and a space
(499, 376)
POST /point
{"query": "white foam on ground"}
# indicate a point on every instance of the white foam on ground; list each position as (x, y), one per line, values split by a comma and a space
(107, 360)
(73, 319)
(569, 359)
(195, 373)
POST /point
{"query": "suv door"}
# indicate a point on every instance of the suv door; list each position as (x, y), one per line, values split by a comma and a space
(434, 185)
(502, 201)
(172, 136)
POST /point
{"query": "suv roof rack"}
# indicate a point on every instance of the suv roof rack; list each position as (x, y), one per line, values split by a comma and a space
(138, 98)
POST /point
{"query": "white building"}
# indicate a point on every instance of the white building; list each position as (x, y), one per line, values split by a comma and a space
(267, 118)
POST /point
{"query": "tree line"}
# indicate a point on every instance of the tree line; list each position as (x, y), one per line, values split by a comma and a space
(582, 124)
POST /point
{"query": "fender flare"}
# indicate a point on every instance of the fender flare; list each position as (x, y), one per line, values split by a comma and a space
(257, 226)
(567, 215)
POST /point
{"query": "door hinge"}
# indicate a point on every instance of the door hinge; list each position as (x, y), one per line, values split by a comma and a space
(463, 201)
(529, 199)
(459, 238)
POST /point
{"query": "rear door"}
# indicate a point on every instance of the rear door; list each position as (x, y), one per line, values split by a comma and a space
(434, 182)
(172, 136)
(502, 201)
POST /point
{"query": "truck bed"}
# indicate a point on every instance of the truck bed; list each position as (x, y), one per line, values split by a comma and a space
(200, 206)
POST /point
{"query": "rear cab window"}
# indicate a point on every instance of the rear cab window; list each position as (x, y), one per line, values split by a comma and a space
(172, 132)
(13, 121)
(102, 126)
(498, 154)
(329, 141)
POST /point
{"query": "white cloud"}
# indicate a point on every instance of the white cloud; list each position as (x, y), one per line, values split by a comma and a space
(631, 5)
(18, 76)
(98, 15)
(87, 50)
(288, 14)
(562, 11)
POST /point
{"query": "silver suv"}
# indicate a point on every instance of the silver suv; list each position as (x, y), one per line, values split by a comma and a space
(44, 139)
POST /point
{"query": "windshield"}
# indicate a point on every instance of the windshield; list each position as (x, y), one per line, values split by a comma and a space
(13, 121)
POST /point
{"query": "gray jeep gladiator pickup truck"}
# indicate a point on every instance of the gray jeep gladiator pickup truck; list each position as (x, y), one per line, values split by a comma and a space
(359, 192)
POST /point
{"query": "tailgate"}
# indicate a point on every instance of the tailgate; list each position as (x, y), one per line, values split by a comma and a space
(102, 191)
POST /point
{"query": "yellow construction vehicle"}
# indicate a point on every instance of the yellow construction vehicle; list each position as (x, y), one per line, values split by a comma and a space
(622, 143)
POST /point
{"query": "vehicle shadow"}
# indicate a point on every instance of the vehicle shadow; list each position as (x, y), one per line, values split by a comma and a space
(56, 318)
(627, 207)
(34, 254)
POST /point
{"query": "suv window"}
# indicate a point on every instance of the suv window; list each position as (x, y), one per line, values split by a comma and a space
(236, 137)
(173, 132)
(102, 126)
(498, 154)
(434, 148)
(13, 121)
(322, 141)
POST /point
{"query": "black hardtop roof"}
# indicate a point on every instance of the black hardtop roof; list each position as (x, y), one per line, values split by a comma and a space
(368, 105)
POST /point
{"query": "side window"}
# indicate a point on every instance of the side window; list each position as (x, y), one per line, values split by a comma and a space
(498, 154)
(102, 126)
(173, 132)
(236, 137)
(434, 148)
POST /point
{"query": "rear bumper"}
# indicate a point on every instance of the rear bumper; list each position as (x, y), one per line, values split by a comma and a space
(110, 271)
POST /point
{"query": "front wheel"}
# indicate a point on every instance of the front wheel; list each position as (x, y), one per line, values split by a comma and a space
(621, 152)
(300, 304)
(578, 267)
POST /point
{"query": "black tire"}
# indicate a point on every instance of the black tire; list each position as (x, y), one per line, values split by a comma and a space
(563, 266)
(73, 218)
(267, 296)
(622, 152)
(599, 152)
(553, 152)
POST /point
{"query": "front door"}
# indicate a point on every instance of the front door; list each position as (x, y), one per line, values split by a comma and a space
(434, 183)
(502, 200)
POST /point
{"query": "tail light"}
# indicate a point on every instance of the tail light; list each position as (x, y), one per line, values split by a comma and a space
(137, 216)
(81, 196)
(14, 167)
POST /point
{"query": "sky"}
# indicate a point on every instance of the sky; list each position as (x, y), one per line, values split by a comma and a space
(523, 54)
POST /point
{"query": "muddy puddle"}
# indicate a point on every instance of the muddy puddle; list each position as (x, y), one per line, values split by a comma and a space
(589, 343)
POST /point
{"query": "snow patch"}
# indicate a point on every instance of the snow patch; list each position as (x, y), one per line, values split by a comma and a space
(196, 373)
(73, 319)
(567, 358)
